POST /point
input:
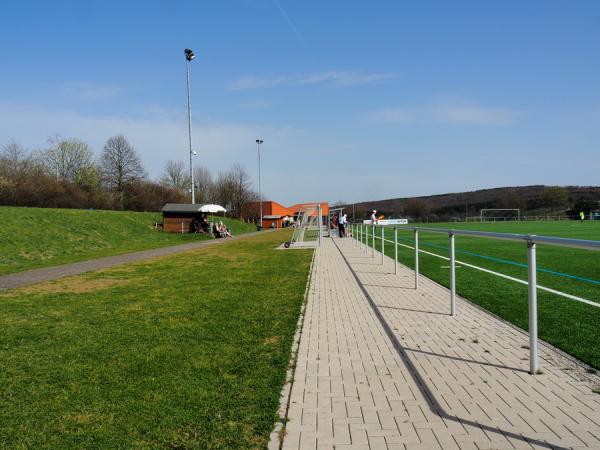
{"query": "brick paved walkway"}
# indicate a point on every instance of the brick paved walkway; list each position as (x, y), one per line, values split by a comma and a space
(381, 365)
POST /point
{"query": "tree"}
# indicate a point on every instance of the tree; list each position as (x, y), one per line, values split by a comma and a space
(241, 188)
(417, 208)
(512, 199)
(13, 160)
(175, 176)
(233, 189)
(205, 190)
(120, 164)
(554, 197)
(68, 159)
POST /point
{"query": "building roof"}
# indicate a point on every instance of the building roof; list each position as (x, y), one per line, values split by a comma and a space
(324, 207)
(181, 208)
(274, 216)
(270, 207)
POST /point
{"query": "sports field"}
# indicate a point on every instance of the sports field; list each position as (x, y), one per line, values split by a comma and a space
(572, 326)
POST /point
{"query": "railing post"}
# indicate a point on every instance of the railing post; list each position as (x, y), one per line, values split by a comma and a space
(452, 275)
(366, 236)
(382, 246)
(395, 250)
(533, 328)
(362, 235)
(416, 258)
(373, 241)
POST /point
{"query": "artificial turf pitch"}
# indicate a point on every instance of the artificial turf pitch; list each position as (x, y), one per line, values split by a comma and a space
(571, 326)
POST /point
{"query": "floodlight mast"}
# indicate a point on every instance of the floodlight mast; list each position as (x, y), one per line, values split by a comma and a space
(189, 56)
(258, 142)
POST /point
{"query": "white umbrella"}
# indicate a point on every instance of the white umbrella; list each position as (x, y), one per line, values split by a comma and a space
(212, 209)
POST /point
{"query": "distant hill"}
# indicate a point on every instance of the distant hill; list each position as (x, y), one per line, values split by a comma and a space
(532, 200)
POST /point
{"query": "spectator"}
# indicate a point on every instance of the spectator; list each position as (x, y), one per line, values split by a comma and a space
(223, 230)
(342, 225)
(374, 217)
(204, 224)
(334, 221)
(215, 231)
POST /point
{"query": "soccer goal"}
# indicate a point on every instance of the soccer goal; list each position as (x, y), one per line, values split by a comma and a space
(308, 231)
(499, 214)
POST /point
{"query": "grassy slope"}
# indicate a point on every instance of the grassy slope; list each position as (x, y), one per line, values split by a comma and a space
(569, 325)
(189, 351)
(35, 237)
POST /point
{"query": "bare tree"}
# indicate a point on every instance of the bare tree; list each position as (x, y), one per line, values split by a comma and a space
(205, 185)
(233, 189)
(120, 163)
(241, 188)
(13, 159)
(175, 176)
(68, 159)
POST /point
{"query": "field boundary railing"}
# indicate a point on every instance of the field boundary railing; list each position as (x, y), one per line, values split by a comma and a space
(361, 233)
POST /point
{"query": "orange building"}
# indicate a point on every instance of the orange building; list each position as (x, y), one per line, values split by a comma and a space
(277, 214)
(324, 207)
(273, 213)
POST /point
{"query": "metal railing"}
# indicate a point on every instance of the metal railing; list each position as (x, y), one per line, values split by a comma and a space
(360, 233)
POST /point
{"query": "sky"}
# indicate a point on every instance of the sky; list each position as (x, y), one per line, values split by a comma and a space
(355, 100)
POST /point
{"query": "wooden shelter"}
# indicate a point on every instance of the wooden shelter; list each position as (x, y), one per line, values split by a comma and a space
(178, 217)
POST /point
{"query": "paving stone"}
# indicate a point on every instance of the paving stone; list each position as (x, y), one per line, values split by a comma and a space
(382, 365)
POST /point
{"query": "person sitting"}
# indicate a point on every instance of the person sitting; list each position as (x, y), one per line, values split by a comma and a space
(216, 232)
(224, 230)
(204, 224)
(196, 227)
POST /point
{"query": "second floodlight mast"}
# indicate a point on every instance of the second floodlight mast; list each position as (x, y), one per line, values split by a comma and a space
(260, 202)
(189, 55)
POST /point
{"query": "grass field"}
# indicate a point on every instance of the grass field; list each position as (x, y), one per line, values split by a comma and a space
(188, 351)
(572, 326)
(37, 237)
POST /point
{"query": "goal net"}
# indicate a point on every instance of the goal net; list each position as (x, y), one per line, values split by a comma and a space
(499, 214)
(308, 231)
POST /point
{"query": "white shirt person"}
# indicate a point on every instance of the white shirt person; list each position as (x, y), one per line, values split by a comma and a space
(374, 217)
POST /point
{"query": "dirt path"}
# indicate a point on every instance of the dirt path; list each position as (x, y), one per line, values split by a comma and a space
(52, 273)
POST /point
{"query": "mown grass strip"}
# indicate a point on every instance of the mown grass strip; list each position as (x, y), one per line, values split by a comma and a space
(187, 351)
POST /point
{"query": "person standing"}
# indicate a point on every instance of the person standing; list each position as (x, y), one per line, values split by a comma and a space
(582, 216)
(374, 217)
(342, 225)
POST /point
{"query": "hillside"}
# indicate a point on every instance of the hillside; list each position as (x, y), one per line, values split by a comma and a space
(532, 200)
(38, 237)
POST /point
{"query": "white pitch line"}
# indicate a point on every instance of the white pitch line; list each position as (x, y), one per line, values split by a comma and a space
(501, 275)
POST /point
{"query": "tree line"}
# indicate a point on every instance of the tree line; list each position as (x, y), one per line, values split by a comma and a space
(535, 200)
(66, 174)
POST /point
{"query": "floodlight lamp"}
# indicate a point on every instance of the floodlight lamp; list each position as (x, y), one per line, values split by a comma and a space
(195, 153)
(189, 55)
(259, 141)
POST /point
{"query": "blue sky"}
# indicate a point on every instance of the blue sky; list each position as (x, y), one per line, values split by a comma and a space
(355, 100)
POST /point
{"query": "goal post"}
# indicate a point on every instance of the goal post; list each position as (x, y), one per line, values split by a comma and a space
(308, 231)
(502, 214)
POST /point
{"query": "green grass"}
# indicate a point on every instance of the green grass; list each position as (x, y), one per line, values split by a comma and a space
(31, 238)
(187, 351)
(571, 326)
